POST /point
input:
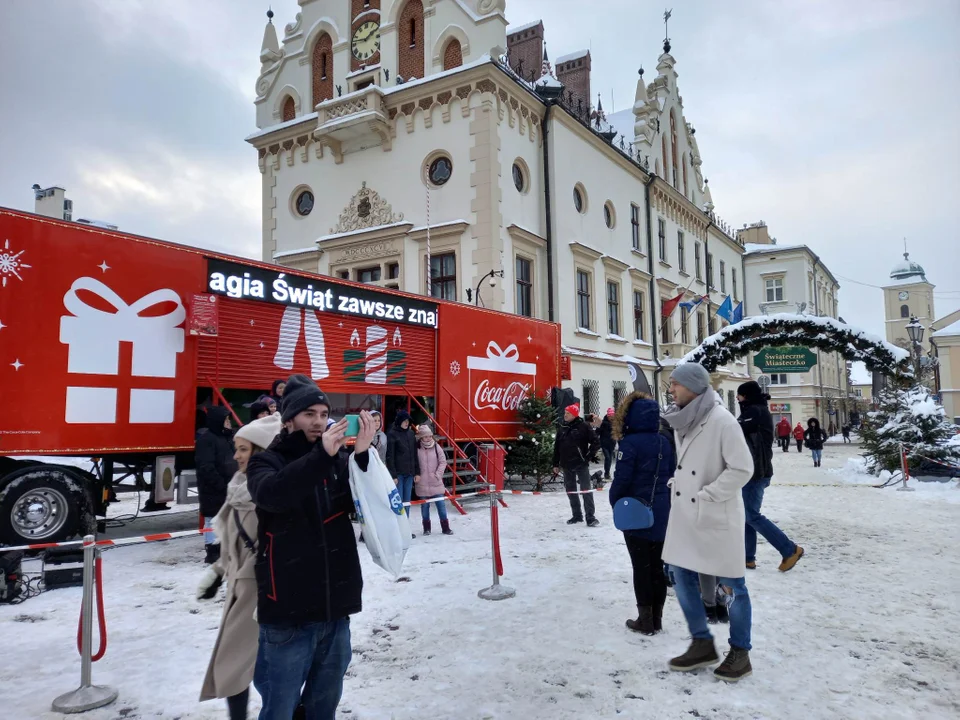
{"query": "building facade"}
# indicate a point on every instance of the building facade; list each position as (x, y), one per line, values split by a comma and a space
(427, 146)
(793, 279)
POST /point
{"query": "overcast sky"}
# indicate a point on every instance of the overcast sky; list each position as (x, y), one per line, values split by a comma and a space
(835, 122)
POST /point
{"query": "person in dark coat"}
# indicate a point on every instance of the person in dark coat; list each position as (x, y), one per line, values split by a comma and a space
(308, 572)
(757, 425)
(645, 462)
(576, 443)
(607, 442)
(277, 390)
(259, 410)
(845, 430)
(215, 470)
(815, 437)
(403, 462)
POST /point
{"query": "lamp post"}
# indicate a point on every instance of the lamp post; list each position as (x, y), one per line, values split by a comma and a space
(493, 274)
(915, 332)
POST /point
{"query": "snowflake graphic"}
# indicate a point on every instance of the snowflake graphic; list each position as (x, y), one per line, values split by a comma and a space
(10, 263)
(454, 368)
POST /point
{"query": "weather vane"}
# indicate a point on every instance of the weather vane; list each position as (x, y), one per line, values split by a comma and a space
(666, 20)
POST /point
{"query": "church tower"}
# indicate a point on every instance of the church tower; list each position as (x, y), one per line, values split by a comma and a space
(908, 294)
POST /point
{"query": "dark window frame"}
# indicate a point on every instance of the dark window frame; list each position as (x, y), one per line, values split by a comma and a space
(584, 283)
(613, 307)
(524, 286)
(443, 284)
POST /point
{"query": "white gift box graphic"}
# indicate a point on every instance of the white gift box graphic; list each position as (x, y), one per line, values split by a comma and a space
(500, 394)
(93, 337)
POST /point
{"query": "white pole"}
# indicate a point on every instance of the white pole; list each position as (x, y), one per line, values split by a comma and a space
(429, 278)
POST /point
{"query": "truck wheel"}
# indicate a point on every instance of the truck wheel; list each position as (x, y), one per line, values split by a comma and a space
(40, 505)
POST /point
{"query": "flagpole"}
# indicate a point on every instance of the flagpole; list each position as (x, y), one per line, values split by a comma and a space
(663, 319)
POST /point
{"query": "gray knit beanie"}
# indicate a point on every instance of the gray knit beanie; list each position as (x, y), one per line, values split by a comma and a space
(692, 376)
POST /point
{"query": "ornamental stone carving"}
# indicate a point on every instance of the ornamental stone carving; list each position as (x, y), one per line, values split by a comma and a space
(378, 249)
(365, 210)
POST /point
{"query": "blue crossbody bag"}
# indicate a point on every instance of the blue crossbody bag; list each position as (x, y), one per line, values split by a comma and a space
(634, 514)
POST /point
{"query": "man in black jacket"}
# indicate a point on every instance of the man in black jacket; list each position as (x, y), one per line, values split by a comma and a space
(403, 460)
(575, 445)
(215, 469)
(757, 425)
(308, 570)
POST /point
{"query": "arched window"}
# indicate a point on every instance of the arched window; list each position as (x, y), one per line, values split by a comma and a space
(673, 145)
(411, 52)
(322, 69)
(666, 159)
(904, 311)
(452, 55)
(289, 111)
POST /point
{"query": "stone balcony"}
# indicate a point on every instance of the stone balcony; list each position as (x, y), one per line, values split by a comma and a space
(355, 121)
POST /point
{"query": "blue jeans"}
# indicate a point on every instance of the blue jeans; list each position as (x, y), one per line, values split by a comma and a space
(302, 664)
(817, 455)
(441, 509)
(209, 538)
(405, 488)
(687, 587)
(757, 523)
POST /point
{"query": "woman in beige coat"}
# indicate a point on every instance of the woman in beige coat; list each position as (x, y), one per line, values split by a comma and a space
(230, 671)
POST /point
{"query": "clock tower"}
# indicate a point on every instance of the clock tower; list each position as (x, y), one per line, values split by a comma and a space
(908, 294)
(364, 35)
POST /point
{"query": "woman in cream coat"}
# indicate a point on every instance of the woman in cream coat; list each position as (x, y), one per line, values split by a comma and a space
(230, 671)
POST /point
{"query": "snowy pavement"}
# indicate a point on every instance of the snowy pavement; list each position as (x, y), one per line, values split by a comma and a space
(862, 628)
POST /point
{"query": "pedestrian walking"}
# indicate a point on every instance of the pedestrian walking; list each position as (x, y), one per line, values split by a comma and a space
(230, 670)
(608, 444)
(845, 430)
(380, 438)
(576, 443)
(215, 468)
(783, 434)
(645, 463)
(705, 530)
(815, 437)
(403, 463)
(433, 464)
(798, 436)
(757, 426)
(831, 430)
(308, 571)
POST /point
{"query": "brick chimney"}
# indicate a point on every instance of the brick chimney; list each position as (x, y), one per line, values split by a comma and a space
(525, 49)
(573, 71)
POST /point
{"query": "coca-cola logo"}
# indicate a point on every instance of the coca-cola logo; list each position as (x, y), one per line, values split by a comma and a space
(500, 397)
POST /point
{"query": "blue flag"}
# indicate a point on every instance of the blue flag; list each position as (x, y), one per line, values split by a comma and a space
(689, 305)
(726, 310)
(738, 314)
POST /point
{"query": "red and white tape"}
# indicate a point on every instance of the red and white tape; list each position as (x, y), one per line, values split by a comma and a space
(155, 537)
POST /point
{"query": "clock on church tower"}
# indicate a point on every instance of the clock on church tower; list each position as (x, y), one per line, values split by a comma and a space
(365, 38)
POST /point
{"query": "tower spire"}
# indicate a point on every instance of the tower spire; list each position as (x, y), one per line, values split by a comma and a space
(666, 32)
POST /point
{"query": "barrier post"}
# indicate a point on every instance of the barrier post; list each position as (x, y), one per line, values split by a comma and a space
(905, 469)
(495, 591)
(88, 696)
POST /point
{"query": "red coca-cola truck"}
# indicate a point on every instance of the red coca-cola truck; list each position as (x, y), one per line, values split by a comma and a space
(112, 345)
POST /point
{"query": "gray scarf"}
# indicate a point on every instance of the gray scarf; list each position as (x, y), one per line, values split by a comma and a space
(684, 419)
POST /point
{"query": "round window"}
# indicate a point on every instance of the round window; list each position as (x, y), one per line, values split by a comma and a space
(578, 199)
(440, 170)
(608, 218)
(304, 203)
(518, 179)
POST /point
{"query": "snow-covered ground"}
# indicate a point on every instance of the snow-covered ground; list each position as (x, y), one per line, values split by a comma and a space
(864, 627)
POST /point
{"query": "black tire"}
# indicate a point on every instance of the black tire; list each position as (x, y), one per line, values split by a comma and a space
(40, 505)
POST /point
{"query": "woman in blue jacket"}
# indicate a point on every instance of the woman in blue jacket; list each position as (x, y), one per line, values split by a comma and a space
(645, 462)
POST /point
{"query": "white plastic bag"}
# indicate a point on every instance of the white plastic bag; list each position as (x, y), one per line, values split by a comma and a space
(383, 518)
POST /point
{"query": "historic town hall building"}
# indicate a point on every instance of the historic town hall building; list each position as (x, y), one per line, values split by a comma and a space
(394, 129)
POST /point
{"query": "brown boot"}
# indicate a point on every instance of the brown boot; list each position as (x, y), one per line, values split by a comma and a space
(735, 666)
(700, 654)
(644, 624)
(789, 562)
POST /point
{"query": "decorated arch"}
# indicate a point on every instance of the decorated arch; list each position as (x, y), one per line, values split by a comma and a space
(764, 331)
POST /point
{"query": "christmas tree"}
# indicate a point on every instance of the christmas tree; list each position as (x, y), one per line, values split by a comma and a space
(531, 454)
(912, 419)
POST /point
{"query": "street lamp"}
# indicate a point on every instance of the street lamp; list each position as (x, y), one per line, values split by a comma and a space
(493, 274)
(915, 332)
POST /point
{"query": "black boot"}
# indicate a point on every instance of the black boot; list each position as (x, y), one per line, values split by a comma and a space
(213, 554)
(722, 615)
(426, 527)
(644, 624)
(658, 618)
(445, 526)
(711, 611)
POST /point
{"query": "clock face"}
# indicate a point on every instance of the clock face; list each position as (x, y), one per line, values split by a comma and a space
(366, 40)
(904, 295)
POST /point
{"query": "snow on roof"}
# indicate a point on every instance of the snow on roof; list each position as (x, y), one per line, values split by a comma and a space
(97, 223)
(295, 251)
(482, 60)
(572, 56)
(549, 81)
(950, 330)
(281, 126)
(513, 30)
(898, 353)
(764, 247)
(597, 355)
(622, 121)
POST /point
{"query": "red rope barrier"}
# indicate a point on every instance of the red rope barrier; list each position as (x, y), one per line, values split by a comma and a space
(495, 529)
(101, 616)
